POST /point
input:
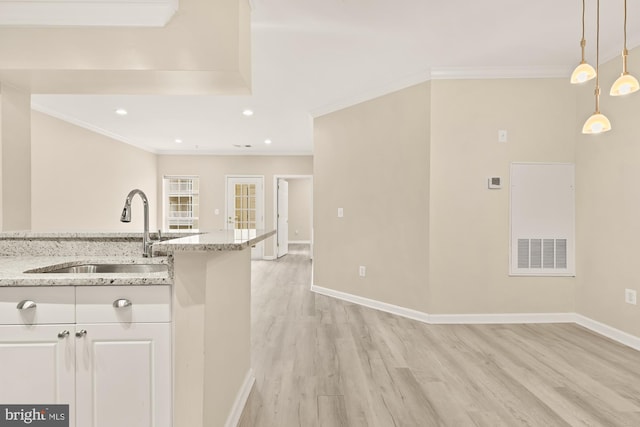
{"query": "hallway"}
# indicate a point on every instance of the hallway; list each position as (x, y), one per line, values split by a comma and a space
(324, 362)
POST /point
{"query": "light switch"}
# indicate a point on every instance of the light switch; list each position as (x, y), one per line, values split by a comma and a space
(502, 135)
(340, 212)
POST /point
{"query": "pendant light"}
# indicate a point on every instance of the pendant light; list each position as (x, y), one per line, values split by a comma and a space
(626, 83)
(597, 123)
(583, 71)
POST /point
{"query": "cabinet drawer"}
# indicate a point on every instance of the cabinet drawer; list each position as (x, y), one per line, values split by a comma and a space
(108, 304)
(53, 304)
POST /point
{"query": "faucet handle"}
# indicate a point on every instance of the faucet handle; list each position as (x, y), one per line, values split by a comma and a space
(159, 235)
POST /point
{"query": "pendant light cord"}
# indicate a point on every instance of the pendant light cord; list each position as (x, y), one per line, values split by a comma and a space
(625, 52)
(598, 58)
(625, 25)
(582, 19)
(583, 42)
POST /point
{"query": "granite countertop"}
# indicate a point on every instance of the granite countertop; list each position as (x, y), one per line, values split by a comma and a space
(222, 240)
(13, 271)
(89, 236)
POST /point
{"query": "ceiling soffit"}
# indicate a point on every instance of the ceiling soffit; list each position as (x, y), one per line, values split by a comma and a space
(87, 13)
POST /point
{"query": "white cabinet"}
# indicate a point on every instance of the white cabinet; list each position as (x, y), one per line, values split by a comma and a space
(123, 356)
(37, 351)
(36, 366)
(109, 357)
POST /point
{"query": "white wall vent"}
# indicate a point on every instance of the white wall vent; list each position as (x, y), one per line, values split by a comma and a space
(543, 254)
(542, 219)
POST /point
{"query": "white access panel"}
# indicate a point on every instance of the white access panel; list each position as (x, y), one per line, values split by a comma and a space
(542, 241)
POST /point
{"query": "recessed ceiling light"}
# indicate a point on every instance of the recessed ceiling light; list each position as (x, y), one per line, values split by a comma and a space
(178, 141)
(267, 141)
(247, 112)
(121, 112)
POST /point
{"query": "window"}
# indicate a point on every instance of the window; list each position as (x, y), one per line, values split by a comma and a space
(181, 202)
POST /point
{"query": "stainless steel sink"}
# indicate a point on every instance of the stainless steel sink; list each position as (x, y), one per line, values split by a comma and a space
(112, 268)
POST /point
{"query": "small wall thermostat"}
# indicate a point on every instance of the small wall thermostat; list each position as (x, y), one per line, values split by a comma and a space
(495, 183)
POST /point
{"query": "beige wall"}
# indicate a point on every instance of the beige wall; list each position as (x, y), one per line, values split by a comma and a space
(15, 152)
(608, 204)
(372, 160)
(470, 224)
(300, 205)
(80, 179)
(410, 170)
(212, 171)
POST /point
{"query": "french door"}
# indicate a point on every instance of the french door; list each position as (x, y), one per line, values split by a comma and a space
(245, 208)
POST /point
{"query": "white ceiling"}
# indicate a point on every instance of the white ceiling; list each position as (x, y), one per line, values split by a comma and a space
(312, 57)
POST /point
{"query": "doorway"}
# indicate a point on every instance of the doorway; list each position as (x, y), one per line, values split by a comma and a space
(293, 212)
(245, 209)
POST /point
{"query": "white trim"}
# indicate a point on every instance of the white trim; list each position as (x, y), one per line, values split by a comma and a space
(202, 151)
(88, 126)
(260, 206)
(300, 242)
(473, 319)
(390, 87)
(241, 399)
(376, 305)
(500, 318)
(276, 177)
(467, 73)
(269, 258)
(444, 73)
(608, 331)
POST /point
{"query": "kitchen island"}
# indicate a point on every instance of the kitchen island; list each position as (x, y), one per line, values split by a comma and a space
(206, 310)
(211, 326)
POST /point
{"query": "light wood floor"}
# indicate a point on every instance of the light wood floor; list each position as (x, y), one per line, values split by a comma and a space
(324, 362)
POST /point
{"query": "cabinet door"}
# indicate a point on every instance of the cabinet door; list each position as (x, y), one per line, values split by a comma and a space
(123, 375)
(37, 365)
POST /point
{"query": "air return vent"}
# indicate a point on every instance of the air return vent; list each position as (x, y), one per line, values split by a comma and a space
(543, 254)
(542, 239)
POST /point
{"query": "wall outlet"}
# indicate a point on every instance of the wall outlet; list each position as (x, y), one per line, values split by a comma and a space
(362, 271)
(340, 212)
(502, 135)
(630, 296)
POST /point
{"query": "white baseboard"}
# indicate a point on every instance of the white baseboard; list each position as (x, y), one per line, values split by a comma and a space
(609, 331)
(300, 242)
(269, 257)
(506, 318)
(241, 399)
(377, 305)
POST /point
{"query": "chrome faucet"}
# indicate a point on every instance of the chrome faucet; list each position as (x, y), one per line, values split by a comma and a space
(126, 217)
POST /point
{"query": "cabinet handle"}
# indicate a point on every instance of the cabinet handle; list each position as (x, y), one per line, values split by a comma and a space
(26, 304)
(63, 334)
(81, 333)
(122, 303)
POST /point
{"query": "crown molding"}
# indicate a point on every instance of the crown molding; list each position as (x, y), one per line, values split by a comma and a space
(87, 13)
(88, 126)
(469, 73)
(445, 73)
(393, 86)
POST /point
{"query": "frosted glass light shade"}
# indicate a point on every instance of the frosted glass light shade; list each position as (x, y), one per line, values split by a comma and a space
(624, 85)
(583, 72)
(597, 123)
